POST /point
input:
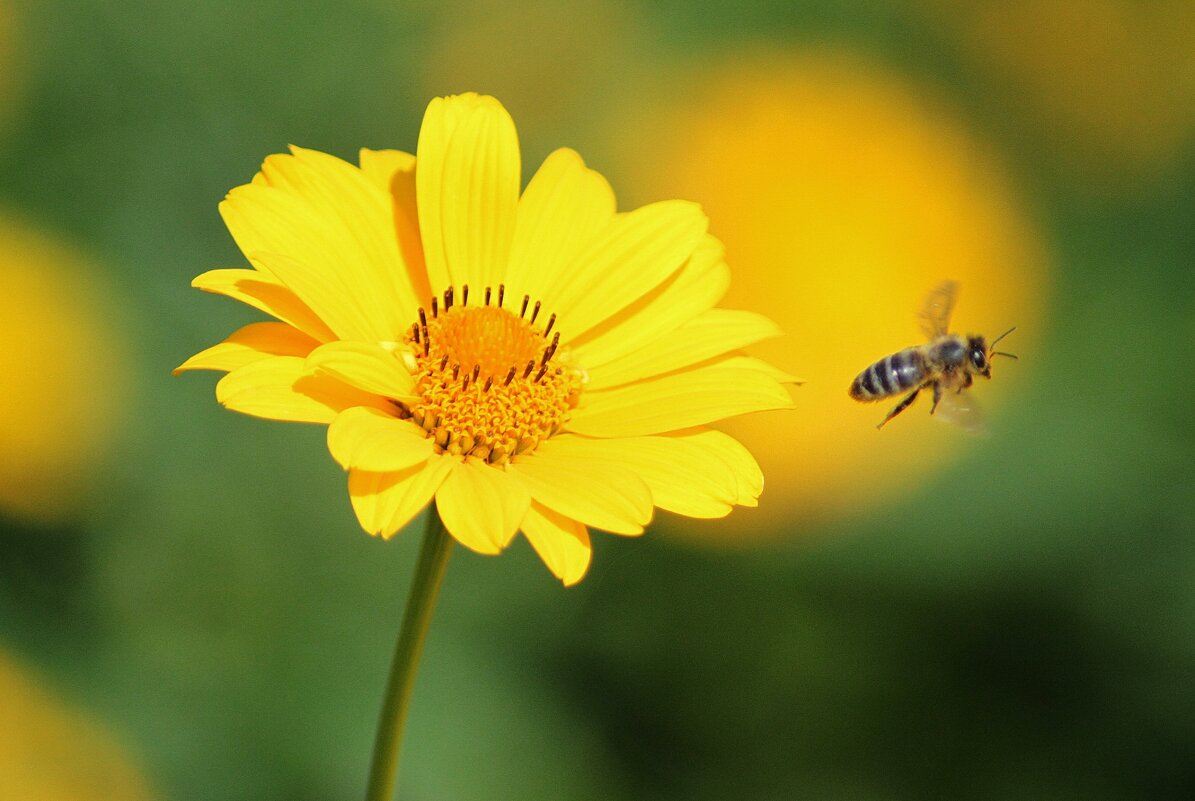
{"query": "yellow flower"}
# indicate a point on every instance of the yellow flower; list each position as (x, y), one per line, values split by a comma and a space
(54, 752)
(59, 415)
(534, 362)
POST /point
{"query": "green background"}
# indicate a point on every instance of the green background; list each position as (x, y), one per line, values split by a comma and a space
(1022, 626)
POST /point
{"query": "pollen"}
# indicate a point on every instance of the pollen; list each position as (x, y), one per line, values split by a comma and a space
(492, 381)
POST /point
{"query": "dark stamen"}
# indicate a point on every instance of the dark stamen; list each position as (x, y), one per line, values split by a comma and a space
(476, 372)
(509, 377)
(465, 384)
(535, 311)
(487, 296)
(435, 308)
(501, 293)
(530, 367)
(464, 295)
(489, 382)
(551, 349)
(551, 322)
(543, 369)
(427, 343)
(415, 331)
(448, 299)
(456, 370)
(526, 300)
(443, 362)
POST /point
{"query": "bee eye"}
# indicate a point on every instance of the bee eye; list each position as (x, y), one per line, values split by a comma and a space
(977, 358)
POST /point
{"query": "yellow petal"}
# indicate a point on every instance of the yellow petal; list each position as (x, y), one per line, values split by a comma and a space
(264, 292)
(481, 506)
(394, 172)
(252, 343)
(598, 493)
(748, 478)
(681, 400)
(564, 208)
(683, 471)
(276, 388)
(380, 166)
(711, 334)
(322, 213)
(340, 190)
(760, 366)
(696, 287)
(385, 502)
(636, 253)
(561, 542)
(365, 365)
(467, 187)
(362, 438)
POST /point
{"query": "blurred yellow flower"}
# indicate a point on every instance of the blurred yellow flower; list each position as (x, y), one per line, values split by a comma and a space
(846, 195)
(1106, 86)
(59, 410)
(533, 362)
(51, 753)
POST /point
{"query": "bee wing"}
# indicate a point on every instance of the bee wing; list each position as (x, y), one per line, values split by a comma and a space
(961, 409)
(935, 314)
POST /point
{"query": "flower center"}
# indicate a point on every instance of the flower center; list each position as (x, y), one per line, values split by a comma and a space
(491, 382)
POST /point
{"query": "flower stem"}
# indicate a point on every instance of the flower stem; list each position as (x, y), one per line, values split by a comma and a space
(429, 574)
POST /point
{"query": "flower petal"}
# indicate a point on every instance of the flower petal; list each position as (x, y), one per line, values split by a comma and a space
(265, 292)
(564, 207)
(314, 210)
(683, 473)
(602, 493)
(362, 438)
(394, 172)
(252, 343)
(636, 253)
(380, 166)
(744, 469)
(713, 333)
(561, 542)
(365, 365)
(696, 287)
(760, 366)
(385, 502)
(467, 187)
(276, 388)
(681, 400)
(350, 200)
(481, 506)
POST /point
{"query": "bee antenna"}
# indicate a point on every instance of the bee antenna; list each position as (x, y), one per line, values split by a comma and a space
(1002, 336)
(1002, 353)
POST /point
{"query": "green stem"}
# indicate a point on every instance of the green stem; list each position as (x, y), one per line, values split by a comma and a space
(429, 574)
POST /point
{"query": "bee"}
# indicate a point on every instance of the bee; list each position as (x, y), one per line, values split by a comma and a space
(947, 363)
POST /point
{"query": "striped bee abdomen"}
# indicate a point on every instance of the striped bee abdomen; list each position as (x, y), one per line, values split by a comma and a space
(891, 375)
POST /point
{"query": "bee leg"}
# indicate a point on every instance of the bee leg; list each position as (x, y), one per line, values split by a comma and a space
(900, 407)
(937, 396)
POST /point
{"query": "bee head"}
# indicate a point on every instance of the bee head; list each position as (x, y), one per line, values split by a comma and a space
(979, 353)
(977, 357)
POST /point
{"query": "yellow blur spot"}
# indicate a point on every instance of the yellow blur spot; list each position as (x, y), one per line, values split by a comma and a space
(64, 375)
(547, 60)
(1107, 86)
(50, 752)
(844, 196)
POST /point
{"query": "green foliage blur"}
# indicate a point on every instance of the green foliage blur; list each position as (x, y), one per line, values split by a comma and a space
(1022, 626)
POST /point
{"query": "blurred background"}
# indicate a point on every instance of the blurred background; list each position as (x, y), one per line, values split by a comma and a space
(188, 609)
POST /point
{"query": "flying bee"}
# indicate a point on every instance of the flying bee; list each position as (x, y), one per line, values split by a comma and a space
(947, 363)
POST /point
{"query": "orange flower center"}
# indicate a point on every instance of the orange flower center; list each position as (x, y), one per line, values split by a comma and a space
(491, 382)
